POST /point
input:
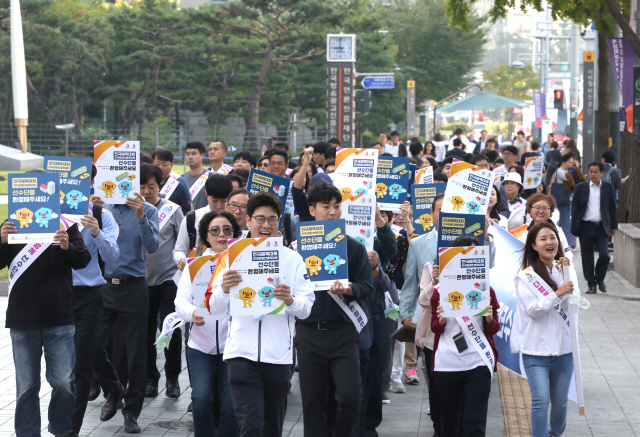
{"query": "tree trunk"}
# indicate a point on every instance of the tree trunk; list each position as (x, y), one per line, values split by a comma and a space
(250, 135)
(42, 107)
(602, 123)
(74, 99)
(623, 22)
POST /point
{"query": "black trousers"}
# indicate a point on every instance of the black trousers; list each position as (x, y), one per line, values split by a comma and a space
(463, 394)
(128, 305)
(434, 405)
(161, 299)
(259, 392)
(323, 356)
(592, 236)
(390, 326)
(87, 307)
(373, 387)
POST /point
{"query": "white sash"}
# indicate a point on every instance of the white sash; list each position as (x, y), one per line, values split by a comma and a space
(476, 337)
(170, 186)
(23, 260)
(198, 184)
(352, 310)
(165, 212)
(534, 282)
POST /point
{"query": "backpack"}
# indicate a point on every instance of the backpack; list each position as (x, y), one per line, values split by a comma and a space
(606, 177)
(191, 232)
(97, 214)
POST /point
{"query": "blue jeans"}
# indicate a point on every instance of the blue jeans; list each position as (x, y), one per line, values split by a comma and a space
(203, 368)
(549, 379)
(565, 219)
(60, 357)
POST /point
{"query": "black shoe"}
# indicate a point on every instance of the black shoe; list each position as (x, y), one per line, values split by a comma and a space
(94, 392)
(602, 287)
(190, 408)
(131, 425)
(73, 434)
(370, 431)
(151, 391)
(110, 407)
(173, 389)
(120, 405)
(592, 290)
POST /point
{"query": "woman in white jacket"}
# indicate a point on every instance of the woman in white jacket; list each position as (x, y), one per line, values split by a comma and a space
(209, 330)
(541, 331)
(259, 350)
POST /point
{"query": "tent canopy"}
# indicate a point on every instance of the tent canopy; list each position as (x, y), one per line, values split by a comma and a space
(482, 101)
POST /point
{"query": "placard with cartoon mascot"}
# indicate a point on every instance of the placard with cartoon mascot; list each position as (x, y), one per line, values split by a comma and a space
(464, 281)
(118, 165)
(392, 182)
(34, 207)
(75, 182)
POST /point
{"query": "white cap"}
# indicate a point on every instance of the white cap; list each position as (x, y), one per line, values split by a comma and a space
(513, 177)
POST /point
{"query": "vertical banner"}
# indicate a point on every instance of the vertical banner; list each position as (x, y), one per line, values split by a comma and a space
(464, 278)
(468, 189)
(636, 100)
(411, 108)
(75, 182)
(452, 226)
(258, 261)
(356, 171)
(341, 102)
(622, 58)
(533, 172)
(34, 207)
(323, 247)
(422, 196)
(538, 101)
(118, 164)
(392, 183)
(359, 214)
(588, 114)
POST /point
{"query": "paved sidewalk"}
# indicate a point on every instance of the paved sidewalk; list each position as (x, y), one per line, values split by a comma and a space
(610, 364)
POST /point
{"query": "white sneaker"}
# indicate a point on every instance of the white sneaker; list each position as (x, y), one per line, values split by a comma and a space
(397, 386)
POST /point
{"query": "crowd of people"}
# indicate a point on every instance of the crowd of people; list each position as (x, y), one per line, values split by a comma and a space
(94, 299)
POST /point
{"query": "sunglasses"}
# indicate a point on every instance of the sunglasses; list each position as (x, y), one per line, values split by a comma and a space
(215, 231)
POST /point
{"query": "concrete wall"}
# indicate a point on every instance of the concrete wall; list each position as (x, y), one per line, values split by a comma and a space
(626, 251)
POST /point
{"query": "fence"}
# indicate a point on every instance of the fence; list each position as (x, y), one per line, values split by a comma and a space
(45, 139)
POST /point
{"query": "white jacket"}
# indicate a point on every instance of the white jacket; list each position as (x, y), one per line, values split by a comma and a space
(269, 340)
(563, 240)
(210, 337)
(538, 330)
(182, 248)
(518, 211)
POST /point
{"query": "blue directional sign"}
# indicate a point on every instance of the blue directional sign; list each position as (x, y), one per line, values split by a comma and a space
(378, 83)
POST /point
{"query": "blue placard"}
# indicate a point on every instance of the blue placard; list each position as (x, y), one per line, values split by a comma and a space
(75, 182)
(34, 206)
(453, 225)
(422, 196)
(378, 83)
(323, 247)
(260, 181)
(392, 182)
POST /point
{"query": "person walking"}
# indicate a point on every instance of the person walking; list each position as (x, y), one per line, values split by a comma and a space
(595, 217)
(517, 205)
(561, 186)
(540, 333)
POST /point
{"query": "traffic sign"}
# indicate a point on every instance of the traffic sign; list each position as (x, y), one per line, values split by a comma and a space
(377, 83)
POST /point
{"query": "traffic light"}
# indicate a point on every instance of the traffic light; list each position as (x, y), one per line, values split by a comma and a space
(363, 101)
(558, 99)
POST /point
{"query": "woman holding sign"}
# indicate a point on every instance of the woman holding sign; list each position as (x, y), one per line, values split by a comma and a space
(464, 359)
(208, 333)
(541, 329)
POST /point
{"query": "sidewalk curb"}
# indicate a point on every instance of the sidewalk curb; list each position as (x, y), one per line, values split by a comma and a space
(4, 288)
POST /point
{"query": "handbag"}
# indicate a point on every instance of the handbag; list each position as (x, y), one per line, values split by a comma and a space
(559, 192)
(404, 335)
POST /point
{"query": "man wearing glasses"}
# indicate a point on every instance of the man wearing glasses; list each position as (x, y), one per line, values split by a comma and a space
(237, 205)
(259, 351)
(278, 163)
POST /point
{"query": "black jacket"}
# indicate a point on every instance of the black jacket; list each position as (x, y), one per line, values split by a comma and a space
(456, 153)
(43, 296)
(325, 309)
(608, 207)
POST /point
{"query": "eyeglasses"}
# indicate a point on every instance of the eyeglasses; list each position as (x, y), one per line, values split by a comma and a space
(260, 219)
(226, 230)
(507, 154)
(277, 163)
(541, 208)
(264, 164)
(234, 207)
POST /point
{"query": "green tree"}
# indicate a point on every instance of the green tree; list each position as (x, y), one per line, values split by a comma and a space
(513, 82)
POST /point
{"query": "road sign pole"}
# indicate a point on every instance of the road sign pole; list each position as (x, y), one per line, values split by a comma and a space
(587, 112)
(411, 108)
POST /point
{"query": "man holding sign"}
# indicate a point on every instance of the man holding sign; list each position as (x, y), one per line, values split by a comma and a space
(40, 316)
(258, 349)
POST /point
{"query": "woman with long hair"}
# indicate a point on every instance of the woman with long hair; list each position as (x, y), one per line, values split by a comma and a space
(493, 209)
(208, 334)
(462, 375)
(541, 329)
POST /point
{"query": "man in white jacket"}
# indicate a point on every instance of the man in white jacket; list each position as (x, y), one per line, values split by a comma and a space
(259, 352)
